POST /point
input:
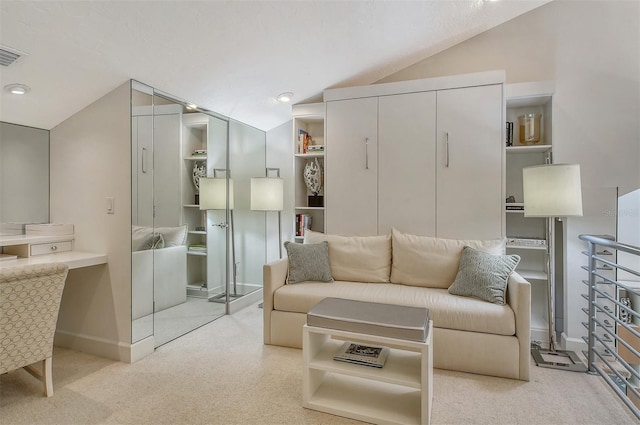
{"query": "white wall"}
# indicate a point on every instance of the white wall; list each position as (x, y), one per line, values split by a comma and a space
(279, 150)
(90, 160)
(629, 233)
(592, 51)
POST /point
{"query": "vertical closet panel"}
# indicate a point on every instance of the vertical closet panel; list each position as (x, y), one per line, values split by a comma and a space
(407, 175)
(469, 163)
(167, 159)
(143, 169)
(246, 160)
(217, 132)
(351, 167)
(142, 290)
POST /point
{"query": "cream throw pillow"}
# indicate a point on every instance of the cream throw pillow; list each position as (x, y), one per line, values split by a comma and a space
(356, 258)
(432, 262)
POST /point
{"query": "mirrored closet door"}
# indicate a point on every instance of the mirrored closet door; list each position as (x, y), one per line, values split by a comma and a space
(197, 248)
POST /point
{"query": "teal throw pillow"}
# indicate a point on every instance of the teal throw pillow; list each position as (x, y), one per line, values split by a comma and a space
(484, 276)
(308, 262)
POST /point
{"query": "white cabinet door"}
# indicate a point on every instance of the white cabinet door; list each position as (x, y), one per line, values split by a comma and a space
(142, 170)
(407, 174)
(351, 164)
(469, 163)
(167, 161)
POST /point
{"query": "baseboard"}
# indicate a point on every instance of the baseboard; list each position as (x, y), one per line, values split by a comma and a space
(142, 349)
(576, 345)
(102, 347)
(540, 336)
(245, 301)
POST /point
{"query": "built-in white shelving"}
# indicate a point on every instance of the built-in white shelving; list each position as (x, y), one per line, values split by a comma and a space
(195, 138)
(527, 98)
(308, 119)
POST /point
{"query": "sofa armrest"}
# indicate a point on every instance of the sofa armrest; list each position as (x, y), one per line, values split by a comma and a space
(519, 298)
(274, 276)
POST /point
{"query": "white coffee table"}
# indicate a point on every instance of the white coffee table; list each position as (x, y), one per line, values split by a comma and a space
(401, 392)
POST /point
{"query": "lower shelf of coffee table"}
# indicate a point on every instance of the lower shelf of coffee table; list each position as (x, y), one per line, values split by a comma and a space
(400, 392)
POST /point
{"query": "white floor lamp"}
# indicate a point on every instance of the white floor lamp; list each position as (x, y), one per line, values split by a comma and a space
(553, 191)
(214, 196)
(267, 194)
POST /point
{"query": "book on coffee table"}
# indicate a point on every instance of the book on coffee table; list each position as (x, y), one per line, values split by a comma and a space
(366, 355)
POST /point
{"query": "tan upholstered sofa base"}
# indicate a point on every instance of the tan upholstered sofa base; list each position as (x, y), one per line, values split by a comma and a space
(475, 352)
(485, 354)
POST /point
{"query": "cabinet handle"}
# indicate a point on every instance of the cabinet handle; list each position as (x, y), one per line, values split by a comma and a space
(446, 143)
(144, 160)
(366, 153)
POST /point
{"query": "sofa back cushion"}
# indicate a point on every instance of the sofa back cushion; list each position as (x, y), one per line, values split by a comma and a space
(432, 262)
(356, 258)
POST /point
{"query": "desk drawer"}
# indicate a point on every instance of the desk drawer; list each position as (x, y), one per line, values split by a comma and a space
(50, 248)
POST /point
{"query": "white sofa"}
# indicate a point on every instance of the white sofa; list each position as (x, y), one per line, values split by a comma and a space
(470, 334)
(158, 270)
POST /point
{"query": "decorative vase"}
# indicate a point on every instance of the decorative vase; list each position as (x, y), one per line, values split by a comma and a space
(313, 180)
(199, 171)
(313, 176)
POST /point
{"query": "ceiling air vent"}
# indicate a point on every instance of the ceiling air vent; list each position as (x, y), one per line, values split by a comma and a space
(9, 56)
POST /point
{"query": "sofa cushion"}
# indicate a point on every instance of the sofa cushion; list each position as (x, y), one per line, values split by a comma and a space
(446, 310)
(432, 262)
(483, 275)
(147, 237)
(356, 258)
(173, 236)
(308, 262)
(154, 242)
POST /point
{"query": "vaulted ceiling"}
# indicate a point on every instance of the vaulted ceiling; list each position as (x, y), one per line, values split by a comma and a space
(232, 57)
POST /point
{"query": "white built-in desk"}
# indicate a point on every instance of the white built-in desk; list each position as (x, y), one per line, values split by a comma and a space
(46, 249)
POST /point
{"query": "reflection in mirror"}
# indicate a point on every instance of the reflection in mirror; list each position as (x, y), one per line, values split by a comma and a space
(247, 159)
(24, 177)
(141, 211)
(181, 255)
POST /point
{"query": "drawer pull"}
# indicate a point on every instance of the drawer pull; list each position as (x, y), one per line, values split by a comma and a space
(54, 247)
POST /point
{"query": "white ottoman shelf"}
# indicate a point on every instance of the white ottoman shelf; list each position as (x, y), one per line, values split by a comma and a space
(398, 393)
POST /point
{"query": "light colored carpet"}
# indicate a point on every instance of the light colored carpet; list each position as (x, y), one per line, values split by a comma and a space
(222, 374)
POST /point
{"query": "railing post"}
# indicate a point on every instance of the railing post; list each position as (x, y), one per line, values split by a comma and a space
(591, 357)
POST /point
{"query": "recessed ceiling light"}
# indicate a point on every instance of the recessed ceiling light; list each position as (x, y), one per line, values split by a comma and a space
(284, 97)
(17, 88)
(191, 106)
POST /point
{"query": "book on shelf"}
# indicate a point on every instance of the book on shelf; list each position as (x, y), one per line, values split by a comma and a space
(515, 206)
(303, 221)
(366, 355)
(303, 141)
(199, 152)
(509, 133)
(524, 241)
(198, 247)
(315, 148)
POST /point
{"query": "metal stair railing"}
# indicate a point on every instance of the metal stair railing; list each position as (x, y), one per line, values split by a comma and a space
(603, 340)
